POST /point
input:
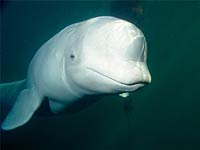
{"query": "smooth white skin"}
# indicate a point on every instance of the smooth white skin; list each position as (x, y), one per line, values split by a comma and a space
(96, 56)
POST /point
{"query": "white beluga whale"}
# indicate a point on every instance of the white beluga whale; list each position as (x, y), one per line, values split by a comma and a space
(102, 55)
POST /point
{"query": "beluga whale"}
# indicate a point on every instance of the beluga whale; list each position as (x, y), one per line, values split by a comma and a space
(101, 55)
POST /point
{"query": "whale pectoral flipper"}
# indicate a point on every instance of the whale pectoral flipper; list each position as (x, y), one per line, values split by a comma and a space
(26, 104)
(57, 107)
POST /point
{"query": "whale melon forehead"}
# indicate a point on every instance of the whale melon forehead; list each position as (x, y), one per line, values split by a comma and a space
(103, 37)
(113, 36)
(110, 25)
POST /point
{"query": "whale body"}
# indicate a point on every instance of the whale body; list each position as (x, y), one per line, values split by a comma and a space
(102, 55)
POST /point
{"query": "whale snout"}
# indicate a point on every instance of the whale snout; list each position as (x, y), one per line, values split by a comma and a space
(126, 76)
(135, 78)
(144, 80)
(139, 75)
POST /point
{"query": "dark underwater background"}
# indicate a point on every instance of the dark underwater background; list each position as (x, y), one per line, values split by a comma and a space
(164, 115)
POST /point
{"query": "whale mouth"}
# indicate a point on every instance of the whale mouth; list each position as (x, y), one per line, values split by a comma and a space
(119, 82)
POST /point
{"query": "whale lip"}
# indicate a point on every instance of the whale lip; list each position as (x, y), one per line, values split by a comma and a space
(141, 83)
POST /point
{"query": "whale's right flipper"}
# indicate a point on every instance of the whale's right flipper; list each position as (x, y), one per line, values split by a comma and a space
(26, 104)
(57, 107)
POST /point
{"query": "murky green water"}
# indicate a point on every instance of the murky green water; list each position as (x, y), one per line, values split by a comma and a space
(162, 116)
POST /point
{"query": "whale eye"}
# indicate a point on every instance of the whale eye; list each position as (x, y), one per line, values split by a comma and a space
(72, 56)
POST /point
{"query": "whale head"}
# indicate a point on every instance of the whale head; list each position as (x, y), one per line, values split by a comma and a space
(97, 56)
(110, 57)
